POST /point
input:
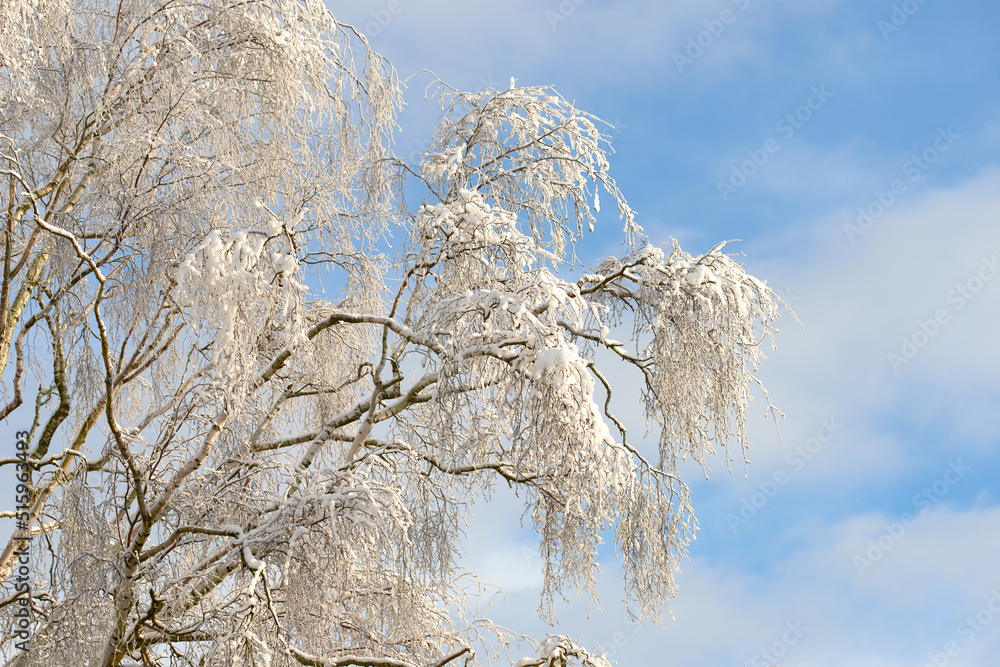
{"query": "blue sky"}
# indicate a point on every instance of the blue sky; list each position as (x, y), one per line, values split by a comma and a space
(880, 550)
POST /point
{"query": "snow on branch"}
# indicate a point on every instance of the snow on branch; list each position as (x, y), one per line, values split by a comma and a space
(256, 436)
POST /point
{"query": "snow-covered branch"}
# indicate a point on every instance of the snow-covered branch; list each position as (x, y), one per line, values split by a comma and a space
(254, 435)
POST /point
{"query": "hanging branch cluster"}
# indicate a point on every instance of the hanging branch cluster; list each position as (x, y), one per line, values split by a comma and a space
(232, 466)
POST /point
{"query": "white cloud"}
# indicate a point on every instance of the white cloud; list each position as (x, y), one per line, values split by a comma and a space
(913, 601)
(581, 40)
(858, 301)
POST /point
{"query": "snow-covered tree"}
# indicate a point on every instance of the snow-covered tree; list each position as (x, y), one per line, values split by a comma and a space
(262, 388)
